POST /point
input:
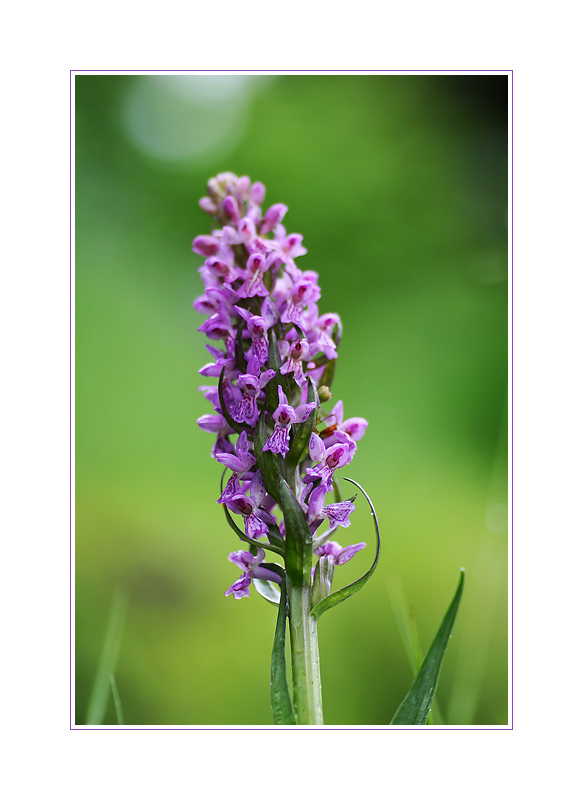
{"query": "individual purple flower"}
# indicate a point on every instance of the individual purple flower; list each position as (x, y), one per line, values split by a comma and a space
(219, 270)
(337, 554)
(253, 285)
(246, 410)
(337, 513)
(257, 326)
(251, 566)
(320, 335)
(241, 462)
(248, 507)
(219, 326)
(283, 416)
(354, 427)
(303, 292)
(296, 353)
(335, 457)
(216, 423)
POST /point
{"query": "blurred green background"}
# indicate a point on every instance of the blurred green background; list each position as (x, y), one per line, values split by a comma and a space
(399, 186)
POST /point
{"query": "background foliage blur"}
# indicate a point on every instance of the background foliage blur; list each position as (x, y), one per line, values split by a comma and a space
(399, 186)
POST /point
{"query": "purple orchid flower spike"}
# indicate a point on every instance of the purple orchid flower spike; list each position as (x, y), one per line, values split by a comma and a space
(258, 302)
(284, 416)
(246, 410)
(248, 507)
(251, 566)
(240, 463)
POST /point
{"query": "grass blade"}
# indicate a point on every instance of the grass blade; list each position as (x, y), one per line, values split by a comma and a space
(116, 700)
(415, 708)
(108, 660)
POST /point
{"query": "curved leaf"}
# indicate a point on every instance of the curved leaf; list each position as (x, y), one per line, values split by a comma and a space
(281, 705)
(343, 594)
(416, 706)
(270, 591)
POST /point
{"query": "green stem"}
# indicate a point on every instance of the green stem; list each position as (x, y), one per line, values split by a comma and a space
(305, 658)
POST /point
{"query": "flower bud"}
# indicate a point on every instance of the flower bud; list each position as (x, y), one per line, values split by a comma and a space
(257, 193)
(207, 205)
(273, 216)
(205, 245)
(324, 394)
(231, 208)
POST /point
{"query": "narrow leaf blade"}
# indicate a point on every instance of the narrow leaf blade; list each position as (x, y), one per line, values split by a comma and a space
(281, 705)
(415, 708)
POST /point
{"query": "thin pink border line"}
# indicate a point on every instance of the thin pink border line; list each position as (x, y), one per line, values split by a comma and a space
(510, 73)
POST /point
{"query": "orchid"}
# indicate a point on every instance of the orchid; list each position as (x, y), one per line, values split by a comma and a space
(274, 374)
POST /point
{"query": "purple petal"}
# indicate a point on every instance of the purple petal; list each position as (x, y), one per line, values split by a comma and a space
(303, 412)
(265, 377)
(347, 552)
(264, 574)
(317, 448)
(212, 423)
(242, 559)
(355, 427)
(339, 513)
(233, 462)
(205, 245)
(282, 397)
(240, 588)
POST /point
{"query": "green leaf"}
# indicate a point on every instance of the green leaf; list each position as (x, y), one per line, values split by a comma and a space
(343, 594)
(268, 590)
(415, 708)
(109, 654)
(301, 441)
(265, 460)
(298, 539)
(281, 705)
